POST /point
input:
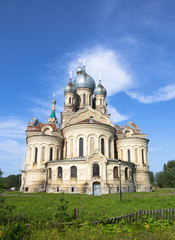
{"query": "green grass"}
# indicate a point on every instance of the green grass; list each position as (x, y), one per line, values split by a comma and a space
(42, 206)
(32, 216)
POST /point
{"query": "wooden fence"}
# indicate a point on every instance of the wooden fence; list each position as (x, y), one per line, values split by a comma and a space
(137, 216)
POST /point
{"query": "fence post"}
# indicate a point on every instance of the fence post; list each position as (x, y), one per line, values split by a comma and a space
(163, 214)
(140, 214)
(75, 214)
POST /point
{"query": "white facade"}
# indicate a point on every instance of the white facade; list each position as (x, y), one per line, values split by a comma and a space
(81, 155)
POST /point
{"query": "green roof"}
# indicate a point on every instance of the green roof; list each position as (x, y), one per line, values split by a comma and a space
(53, 115)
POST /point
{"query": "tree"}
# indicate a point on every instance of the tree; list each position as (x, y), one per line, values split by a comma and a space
(166, 178)
(152, 178)
(13, 181)
(1, 181)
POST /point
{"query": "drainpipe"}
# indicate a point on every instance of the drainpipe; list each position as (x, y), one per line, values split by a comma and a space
(134, 177)
(45, 184)
(107, 178)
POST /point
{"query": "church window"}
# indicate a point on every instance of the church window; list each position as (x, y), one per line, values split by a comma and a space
(84, 99)
(72, 189)
(91, 145)
(142, 156)
(60, 171)
(73, 172)
(129, 155)
(115, 172)
(90, 100)
(126, 173)
(36, 154)
(96, 170)
(49, 173)
(110, 147)
(51, 154)
(81, 147)
(69, 100)
(102, 146)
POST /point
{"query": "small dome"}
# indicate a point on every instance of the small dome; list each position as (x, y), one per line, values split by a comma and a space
(100, 90)
(83, 80)
(79, 70)
(69, 88)
(54, 101)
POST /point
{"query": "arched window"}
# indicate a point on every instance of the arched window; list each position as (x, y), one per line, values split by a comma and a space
(136, 155)
(129, 155)
(126, 173)
(115, 172)
(43, 154)
(91, 145)
(102, 146)
(36, 154)
(51, 154)
(100, 101)
(73, 172)
(84, 99)
(60, 171)
(110, 147)
(58, 153)
(96, 170)
(81, 147)
(49, 173)
(90, 100)
(143, 156)
(69, 100)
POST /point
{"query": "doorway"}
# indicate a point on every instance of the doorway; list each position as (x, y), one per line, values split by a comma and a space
(96, 189)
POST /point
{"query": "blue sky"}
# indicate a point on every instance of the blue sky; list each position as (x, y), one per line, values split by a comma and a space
(130, 42)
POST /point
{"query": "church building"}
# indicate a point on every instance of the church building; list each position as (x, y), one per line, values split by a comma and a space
(85, 153)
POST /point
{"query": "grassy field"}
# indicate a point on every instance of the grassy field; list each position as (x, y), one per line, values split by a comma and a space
(37, 216)
(42, 207)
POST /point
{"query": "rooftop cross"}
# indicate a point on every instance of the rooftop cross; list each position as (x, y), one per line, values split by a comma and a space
(84, 62)
(70, 75)
(99, 77)
(79, 61)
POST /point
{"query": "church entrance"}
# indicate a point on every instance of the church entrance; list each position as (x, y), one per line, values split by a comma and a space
(96, 188)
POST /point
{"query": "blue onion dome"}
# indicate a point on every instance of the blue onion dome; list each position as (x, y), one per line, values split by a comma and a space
(69, 88)
(100, 90)
(83, 80)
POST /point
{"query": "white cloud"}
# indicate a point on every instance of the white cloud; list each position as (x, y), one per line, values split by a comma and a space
(12, 144)
(163, 94)
(115, 115)
(12, 127)
(154, 149)
(115, 76)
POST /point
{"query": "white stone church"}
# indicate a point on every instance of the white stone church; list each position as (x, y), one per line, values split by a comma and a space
(85, 153)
